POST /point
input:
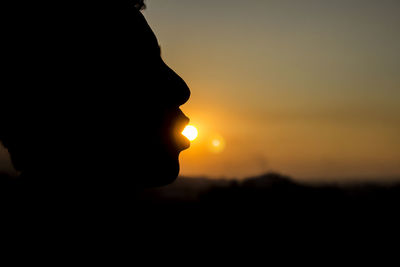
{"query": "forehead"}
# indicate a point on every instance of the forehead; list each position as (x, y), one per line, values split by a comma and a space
(142, 33)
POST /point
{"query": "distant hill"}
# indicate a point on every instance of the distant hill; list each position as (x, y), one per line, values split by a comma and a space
(263, 190)
(269, 188)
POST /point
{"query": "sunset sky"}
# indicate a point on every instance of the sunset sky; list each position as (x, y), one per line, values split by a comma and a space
(308, 88)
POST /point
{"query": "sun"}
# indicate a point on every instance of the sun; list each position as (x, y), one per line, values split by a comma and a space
(190, 132)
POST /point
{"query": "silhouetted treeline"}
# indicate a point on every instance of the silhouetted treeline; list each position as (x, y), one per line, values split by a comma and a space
(268, 193)
(274, 198)
(269, 187)
(270, 203)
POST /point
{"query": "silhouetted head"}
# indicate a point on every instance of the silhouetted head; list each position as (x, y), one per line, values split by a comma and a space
(86, 96)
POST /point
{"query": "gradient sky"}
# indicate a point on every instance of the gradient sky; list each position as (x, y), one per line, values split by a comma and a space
(309, 88)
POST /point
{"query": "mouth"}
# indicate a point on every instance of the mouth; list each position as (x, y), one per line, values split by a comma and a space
(173, 126)
(180, 140)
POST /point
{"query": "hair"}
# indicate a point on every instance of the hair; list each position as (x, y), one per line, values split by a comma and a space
(139, 4)
(10, 126)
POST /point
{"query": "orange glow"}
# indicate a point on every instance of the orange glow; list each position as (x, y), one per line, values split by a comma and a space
(217, 144)
(334, 117)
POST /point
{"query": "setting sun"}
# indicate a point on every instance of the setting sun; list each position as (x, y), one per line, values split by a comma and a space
(190, 132)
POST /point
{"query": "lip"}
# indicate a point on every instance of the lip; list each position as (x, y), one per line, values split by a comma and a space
(174, 124)
(181, 140)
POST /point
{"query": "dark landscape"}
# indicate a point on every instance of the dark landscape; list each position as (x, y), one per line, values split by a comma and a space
(269, 186)
(275, 197)
(265, 202)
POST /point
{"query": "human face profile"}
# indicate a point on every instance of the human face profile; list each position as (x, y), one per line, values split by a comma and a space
(165, 92)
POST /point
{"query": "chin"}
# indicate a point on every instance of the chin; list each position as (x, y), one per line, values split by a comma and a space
(161, 173)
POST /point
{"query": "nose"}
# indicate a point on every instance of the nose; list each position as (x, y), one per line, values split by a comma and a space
(179, 89)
